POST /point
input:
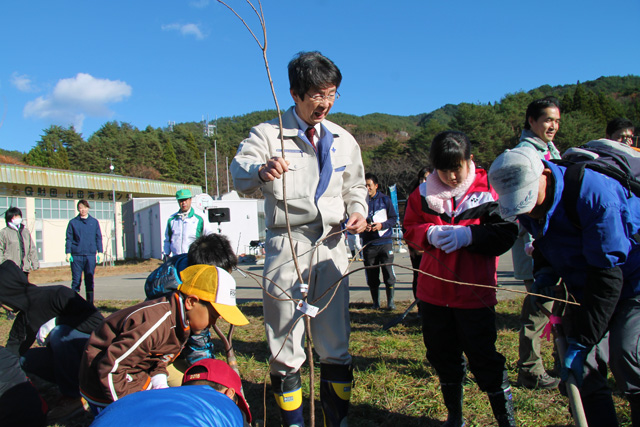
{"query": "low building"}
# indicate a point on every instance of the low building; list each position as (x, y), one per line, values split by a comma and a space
(48, 199)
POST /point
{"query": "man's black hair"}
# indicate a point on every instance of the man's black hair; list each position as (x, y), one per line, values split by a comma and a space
(10, 213)
(372, 177)
(212, 249)
(617, 124)
(448, 149)
(312, 70)
(535, 109)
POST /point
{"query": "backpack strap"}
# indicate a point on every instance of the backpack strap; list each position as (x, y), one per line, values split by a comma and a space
(572, 183)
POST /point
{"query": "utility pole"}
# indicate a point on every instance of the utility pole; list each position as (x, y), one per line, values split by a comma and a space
(226, 159)
(215, 146)
(206, 178)
(115, 212)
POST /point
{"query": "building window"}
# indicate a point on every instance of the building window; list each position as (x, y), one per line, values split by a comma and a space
(55, 209)
(39, 244)
(8, 202)
(101, 210)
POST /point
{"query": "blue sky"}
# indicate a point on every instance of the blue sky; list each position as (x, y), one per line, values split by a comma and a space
(146, 63)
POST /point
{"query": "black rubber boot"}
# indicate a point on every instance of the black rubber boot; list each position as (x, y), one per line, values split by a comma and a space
(452, 393)
(287, 391)
(502, 405)
(89, 297)
(335, 392)
(375, 296)
(390, 290)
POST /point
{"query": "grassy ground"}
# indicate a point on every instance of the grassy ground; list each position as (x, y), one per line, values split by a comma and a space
(393, 384)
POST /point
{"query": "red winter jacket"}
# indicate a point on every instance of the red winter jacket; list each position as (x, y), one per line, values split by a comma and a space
(476, 263)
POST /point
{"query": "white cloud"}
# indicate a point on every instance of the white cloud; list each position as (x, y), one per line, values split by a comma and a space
(75, 98)
(185, 30)
(199, 4)
(22, 82)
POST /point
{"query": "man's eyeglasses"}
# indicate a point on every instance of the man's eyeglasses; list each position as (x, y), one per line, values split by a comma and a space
(319, 98)
(626, 137)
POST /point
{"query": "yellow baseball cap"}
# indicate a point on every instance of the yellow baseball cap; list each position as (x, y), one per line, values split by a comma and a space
(215, 285)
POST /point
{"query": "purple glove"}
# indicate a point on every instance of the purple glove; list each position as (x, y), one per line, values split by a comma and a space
(435, 234)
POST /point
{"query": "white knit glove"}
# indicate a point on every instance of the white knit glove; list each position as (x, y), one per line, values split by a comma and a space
(159, 381)
(436, 233)
(454, 239)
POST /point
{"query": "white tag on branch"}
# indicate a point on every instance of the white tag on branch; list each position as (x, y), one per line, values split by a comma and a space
(304, 288)
(308, 309)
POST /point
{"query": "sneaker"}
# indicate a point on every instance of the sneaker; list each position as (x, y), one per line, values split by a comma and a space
(540, 382)
(65, 408)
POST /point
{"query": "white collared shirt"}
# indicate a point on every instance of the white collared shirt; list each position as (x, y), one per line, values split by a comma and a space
(304, 126)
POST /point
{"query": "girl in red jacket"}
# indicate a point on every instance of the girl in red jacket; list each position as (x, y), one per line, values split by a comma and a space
(454, 218)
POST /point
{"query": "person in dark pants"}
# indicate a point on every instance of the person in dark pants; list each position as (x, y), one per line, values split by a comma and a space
(597, 255)
(84, 241)
(377, 242)
(58, 360)
(454, 218)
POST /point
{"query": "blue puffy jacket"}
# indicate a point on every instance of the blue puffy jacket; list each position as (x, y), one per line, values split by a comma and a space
(599, 260)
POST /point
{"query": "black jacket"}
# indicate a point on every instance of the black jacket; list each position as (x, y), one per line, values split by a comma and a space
(37, 305)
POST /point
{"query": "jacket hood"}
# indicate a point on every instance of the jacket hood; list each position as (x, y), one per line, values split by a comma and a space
(15, 290)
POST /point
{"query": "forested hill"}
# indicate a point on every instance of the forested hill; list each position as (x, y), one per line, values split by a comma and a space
(394, 147)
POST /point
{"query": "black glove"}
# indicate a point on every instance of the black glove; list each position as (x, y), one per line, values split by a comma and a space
(544, 284)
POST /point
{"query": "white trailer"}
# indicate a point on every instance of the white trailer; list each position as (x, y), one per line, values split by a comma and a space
(238, 220)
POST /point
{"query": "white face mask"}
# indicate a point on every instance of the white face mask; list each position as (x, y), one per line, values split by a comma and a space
(16, 221)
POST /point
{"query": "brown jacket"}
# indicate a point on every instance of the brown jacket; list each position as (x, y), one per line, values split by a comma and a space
(131, 346)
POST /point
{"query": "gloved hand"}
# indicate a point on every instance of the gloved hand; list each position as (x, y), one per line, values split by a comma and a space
(456, 238)
(99, 257)
(544, 285)
(435, 233)
(528, 248)
(159, 381)
(69, 258)
(574, 361)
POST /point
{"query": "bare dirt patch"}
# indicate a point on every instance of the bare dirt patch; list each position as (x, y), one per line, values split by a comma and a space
(59, 274)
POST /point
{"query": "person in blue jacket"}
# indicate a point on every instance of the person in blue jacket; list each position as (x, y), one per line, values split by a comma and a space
(213, 398)
(598, 256)
(83, 248)
(377, 242)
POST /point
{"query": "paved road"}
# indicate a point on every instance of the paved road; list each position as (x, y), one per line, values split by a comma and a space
(131, 286)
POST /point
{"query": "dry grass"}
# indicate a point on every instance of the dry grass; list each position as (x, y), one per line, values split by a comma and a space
(394, 386)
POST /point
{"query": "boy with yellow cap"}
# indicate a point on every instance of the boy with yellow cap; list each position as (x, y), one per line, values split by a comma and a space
(131, 349)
